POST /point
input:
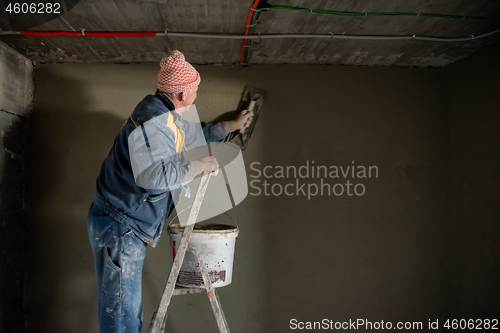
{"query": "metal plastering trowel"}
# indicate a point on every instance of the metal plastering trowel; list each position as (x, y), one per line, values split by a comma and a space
(252, 100)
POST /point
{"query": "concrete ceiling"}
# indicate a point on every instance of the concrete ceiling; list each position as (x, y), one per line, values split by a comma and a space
(229, 17)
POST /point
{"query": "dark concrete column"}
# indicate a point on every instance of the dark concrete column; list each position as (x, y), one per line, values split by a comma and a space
(16, 96)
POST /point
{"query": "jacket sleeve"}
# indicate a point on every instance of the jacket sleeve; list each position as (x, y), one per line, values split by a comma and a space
(198, 135)
(155, 157)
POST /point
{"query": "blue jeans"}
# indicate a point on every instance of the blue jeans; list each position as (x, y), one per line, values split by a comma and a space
(118, 262)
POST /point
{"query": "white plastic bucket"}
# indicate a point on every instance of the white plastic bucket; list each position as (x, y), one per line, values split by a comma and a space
(215, 243)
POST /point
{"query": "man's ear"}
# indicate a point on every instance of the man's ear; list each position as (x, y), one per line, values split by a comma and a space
(183, 95)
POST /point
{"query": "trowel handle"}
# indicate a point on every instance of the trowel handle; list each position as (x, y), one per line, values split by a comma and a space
(249, 109)
(251, 106)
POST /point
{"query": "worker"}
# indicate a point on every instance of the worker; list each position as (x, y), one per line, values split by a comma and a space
(138, 185)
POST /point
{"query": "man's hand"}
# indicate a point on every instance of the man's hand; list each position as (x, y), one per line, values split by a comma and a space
(209, 164)
(243, 120)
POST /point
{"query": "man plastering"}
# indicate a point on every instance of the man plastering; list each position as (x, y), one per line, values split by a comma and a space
(134, 197)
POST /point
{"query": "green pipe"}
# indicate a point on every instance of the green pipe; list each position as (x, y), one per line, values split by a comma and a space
(340, 13)
(356, 14)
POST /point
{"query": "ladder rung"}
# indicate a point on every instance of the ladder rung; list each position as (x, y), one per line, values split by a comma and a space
(187, 291)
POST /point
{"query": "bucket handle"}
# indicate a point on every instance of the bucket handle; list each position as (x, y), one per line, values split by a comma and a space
(204, 203)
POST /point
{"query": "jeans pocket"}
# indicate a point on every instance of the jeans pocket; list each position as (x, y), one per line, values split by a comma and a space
(112, 275)
(134, 248)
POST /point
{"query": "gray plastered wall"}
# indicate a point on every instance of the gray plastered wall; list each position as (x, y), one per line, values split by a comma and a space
(474, 121)
(420, 244)
(379, 256)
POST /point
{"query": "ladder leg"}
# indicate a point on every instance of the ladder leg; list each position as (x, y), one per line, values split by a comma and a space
(212, 294)
(161, 314)
(164, 323)
(153, 320)
(223, 317)
(159, 319)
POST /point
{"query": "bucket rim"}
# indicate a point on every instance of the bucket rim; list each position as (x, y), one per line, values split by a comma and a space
(176, 228)
(186, 210)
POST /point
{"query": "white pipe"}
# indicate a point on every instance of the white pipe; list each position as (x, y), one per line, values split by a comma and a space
(331, 35)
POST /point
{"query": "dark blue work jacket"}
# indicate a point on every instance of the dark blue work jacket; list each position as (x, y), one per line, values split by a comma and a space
(139, 193)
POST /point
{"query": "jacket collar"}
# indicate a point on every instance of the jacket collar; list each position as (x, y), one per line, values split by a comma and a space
(167, 101)
(170, 106)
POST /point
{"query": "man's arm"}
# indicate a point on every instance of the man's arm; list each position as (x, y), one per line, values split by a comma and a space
(208, 163)
(198, 135)
(155, 158)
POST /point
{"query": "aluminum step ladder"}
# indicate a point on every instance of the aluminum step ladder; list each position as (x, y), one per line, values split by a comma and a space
(160, 316)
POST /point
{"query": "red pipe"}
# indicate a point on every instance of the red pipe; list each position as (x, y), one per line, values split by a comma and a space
(87, 34)
(249, 21)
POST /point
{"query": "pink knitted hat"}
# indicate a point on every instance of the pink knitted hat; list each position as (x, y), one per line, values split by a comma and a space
(176, 74)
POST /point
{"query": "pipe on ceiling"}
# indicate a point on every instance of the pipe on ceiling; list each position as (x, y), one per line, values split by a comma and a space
(84, 33)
